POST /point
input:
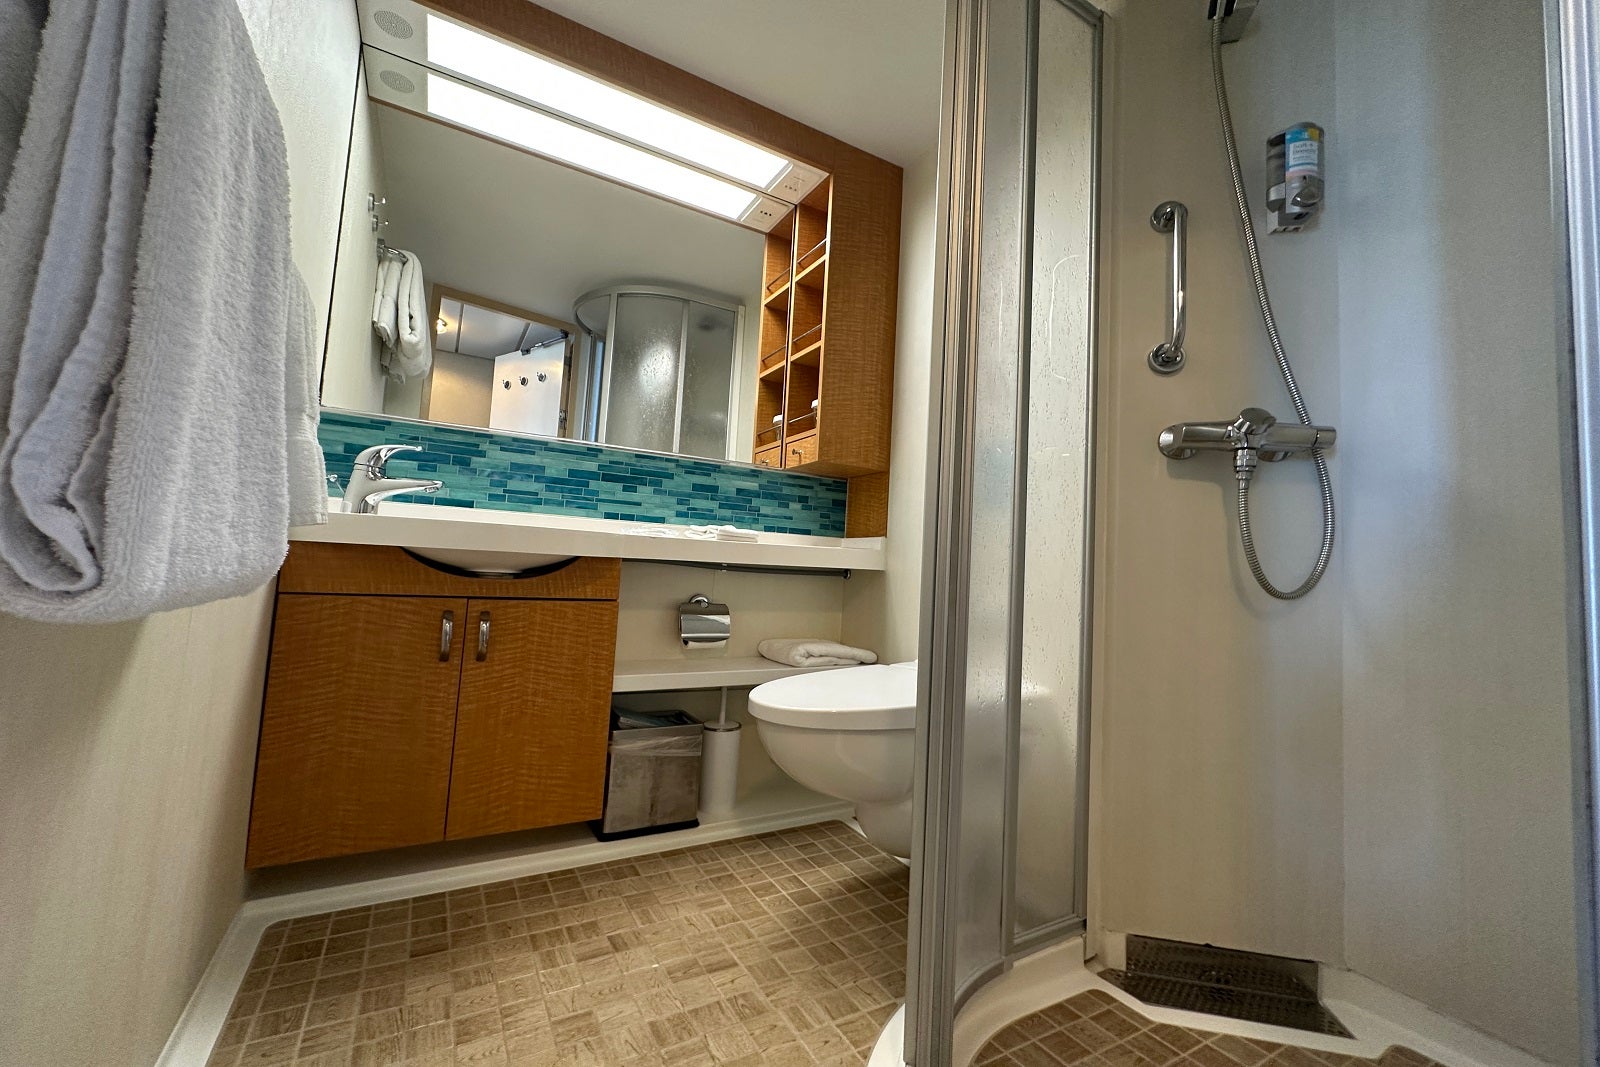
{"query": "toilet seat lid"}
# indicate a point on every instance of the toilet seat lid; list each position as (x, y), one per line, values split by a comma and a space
(882, 696)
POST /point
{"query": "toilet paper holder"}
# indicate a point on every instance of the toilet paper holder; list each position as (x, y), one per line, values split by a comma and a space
(703, 623)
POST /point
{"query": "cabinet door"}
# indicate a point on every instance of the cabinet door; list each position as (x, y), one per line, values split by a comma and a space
(532, 721)
(357, 724)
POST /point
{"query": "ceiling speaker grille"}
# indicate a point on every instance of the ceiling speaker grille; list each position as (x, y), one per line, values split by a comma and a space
(397, 81)
(392, 23)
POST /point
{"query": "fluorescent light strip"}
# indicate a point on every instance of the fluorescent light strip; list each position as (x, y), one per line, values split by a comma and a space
(483, 58)
(478, 110)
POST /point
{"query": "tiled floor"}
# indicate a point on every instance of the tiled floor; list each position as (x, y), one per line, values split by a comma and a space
(787, 948)
(1094, 1029)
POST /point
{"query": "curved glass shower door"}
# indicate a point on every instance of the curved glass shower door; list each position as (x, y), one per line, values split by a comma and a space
(659, 370)
(1003, 825)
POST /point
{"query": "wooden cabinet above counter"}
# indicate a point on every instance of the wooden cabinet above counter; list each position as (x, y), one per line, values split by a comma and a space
(406, 704)
(824, 391)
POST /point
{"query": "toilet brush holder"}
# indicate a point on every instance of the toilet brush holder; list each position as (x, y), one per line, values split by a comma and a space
(719, 769)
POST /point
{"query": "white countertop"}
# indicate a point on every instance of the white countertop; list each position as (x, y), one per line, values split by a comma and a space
(431, 526)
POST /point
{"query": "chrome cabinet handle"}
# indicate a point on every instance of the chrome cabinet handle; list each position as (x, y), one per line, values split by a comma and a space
(1172, 217)
(447, 632)
(483, 636)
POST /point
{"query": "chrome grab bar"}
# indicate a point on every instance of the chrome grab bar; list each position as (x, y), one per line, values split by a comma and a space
(1172, 217)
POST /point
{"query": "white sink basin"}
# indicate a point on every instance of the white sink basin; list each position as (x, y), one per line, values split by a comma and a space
(484, 561)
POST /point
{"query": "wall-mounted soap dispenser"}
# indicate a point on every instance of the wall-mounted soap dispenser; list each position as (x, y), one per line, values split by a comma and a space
(1294, 177)
(702, 623)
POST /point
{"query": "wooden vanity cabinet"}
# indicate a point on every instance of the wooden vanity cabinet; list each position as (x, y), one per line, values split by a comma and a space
(406, 705)
(357, 727)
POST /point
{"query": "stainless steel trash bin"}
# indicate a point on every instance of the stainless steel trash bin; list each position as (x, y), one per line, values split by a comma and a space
(652, 774)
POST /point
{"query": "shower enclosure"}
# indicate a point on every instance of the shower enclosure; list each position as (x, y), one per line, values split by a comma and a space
(1428, 676)
(1002, 838)
(659, 369)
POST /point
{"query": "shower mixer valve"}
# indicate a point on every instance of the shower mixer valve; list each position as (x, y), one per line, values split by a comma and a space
(1253, 437)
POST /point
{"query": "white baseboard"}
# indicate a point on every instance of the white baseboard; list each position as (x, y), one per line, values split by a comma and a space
(203, 1017)
(197, 1028)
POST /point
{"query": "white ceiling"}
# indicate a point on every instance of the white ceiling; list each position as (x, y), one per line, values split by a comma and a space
(866, 71)
(471, 330)
(524, 231)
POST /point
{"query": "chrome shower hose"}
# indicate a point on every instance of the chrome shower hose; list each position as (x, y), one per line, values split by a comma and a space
(1258, 276)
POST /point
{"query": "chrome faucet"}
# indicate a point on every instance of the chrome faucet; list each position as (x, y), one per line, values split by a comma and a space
(1254, 435)
(369, 482)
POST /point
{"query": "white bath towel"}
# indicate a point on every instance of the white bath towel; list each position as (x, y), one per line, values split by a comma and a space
(808, 652)
(413, 342)
(386, 300)
(400, 317)
(159, 433)
(20, 24)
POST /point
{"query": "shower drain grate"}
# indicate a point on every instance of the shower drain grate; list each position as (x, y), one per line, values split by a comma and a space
(1219, 981)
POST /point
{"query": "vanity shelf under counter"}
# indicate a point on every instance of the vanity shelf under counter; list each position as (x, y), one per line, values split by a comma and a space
(735, 672)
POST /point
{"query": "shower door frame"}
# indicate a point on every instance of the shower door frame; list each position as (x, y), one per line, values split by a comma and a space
(1572, 43)
(932, 995)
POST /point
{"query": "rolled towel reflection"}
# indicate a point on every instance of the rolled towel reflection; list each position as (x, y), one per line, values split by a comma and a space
(811, 652)
(721, 533)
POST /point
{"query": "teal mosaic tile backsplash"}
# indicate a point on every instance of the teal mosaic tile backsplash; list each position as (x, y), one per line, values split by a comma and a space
(483, 469)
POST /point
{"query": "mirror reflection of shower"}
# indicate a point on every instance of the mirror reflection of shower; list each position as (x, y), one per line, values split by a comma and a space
(498, 367)
(658, 369)
(528, 389)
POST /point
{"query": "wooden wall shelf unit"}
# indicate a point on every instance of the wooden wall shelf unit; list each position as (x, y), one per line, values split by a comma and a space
(826, 411)
(407, 705)
(831, 269)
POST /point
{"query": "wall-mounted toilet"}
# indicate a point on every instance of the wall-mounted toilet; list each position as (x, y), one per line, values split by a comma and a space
(848, 733)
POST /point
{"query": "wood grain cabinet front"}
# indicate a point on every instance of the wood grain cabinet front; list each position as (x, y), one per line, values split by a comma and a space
(357, 726)
(394, 720)
(533, 719)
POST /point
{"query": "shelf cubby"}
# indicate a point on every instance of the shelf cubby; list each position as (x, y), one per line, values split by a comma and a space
(778, 258)
(827, 336)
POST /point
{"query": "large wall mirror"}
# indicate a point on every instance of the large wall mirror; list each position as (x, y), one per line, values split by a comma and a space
(530, 249)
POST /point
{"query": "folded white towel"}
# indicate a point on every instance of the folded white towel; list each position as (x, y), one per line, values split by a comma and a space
(385, 300)
(413, 340)
(721, 533)
(808, 652)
